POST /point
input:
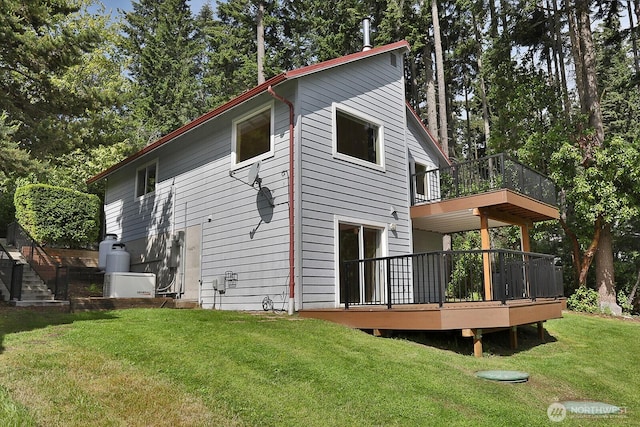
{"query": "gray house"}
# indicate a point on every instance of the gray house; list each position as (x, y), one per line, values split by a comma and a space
(335, 144)
(321, 191)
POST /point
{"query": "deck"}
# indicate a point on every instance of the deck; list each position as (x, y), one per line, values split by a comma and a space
(474, 291)
(471, 318)
(451, 316)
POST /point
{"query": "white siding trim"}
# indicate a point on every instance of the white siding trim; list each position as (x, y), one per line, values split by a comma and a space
(234, 126)
(362, 116)
(337, 220)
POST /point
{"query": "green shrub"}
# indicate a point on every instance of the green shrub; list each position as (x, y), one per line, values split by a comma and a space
(623, 301)
(7, 210)
(58, 216)
(584, 299)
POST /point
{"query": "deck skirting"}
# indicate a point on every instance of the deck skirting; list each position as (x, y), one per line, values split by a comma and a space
(451, 316)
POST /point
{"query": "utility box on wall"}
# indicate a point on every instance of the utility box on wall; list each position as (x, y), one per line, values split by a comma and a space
(129, 285)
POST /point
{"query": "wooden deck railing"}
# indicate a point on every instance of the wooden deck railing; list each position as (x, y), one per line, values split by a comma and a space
(449, 277)
(480, 176)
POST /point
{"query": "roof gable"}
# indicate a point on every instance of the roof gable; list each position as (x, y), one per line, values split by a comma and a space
(251, 93)
(413, 116)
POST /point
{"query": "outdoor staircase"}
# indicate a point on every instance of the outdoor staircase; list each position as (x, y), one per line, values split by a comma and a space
(33, 288)
(34, 291)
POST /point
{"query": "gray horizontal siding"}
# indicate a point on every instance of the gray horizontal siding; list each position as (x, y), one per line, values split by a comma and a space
(420, 151)
(332, 186)
(193, 177)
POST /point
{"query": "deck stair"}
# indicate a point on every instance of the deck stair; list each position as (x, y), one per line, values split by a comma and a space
(34, 290)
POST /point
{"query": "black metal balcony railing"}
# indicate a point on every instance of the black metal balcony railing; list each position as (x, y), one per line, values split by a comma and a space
(449, 276)
(480, 176)
(11, 275)
(55, 276)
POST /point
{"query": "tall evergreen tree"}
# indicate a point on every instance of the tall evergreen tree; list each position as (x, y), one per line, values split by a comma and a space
(163, 49)
(231, 46)
(39, 42)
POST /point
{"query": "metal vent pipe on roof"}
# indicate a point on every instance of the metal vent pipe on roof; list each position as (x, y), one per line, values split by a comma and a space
(366, 31)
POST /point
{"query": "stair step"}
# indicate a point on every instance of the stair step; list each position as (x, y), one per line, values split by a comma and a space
(33, 288)
(49, 304)
(36, 297)
(36, 290)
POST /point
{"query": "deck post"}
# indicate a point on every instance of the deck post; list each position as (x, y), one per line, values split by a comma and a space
(541, 331)
(525, 242)
(486, 260)
(513, 335)
(477, 342)
(389, 301)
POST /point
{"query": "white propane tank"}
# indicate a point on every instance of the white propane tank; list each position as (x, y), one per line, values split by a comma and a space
(105, 248)
(118, 260)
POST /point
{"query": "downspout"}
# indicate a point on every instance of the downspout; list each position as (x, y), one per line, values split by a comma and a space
(291, 210)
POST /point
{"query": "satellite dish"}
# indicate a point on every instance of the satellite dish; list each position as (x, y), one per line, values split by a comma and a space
(253, 174)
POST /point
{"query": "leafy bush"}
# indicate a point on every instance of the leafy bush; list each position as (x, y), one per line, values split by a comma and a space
(58, 216)
(584, 299)
(623, 301)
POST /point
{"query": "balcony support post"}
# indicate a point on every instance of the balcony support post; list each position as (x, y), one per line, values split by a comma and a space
(477, 342)
(525, 241)
(541, 331)
(513, 337)
(486, 260)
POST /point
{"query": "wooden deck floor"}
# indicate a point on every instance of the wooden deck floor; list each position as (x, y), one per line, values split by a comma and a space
(452, 316)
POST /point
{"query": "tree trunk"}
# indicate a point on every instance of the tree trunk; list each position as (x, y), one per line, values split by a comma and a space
(591, 104)
(634, 43)
(442, 95)
(637, 8)
(504, 12)
(467, 108)
(260, 41)
(604, 272)
(559, 54)
(432, 112)
(415, 102)
(493, 24)
(483, 91)
(576, 51)
(582, 262)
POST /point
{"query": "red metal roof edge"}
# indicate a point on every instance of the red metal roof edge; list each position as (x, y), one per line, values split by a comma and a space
(346, 59)
(192, 124)
(248, 95)
(428, 132)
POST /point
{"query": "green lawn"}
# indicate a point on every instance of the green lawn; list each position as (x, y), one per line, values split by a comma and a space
(198, 368)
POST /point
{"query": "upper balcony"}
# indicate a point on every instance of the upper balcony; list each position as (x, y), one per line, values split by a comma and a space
(451, 198)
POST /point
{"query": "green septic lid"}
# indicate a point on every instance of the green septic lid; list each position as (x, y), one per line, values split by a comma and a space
(504, 376)
(590, 408)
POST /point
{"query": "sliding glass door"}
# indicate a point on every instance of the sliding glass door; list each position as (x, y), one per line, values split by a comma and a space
(361, 282)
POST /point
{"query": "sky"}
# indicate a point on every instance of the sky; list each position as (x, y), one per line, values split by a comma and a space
(114, 5)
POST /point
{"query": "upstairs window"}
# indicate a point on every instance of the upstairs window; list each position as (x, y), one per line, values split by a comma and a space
(358, 138)
(252, 136)
(146, 179)
(421, 179)
(427, 184)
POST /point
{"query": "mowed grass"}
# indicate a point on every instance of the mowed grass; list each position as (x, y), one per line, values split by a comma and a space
(160, 367)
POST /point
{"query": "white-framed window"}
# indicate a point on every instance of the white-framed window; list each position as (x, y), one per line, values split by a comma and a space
(421, 180)
(427, 183)
(360, 282)
(146, 177)
(357, 137)
(252, 136)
